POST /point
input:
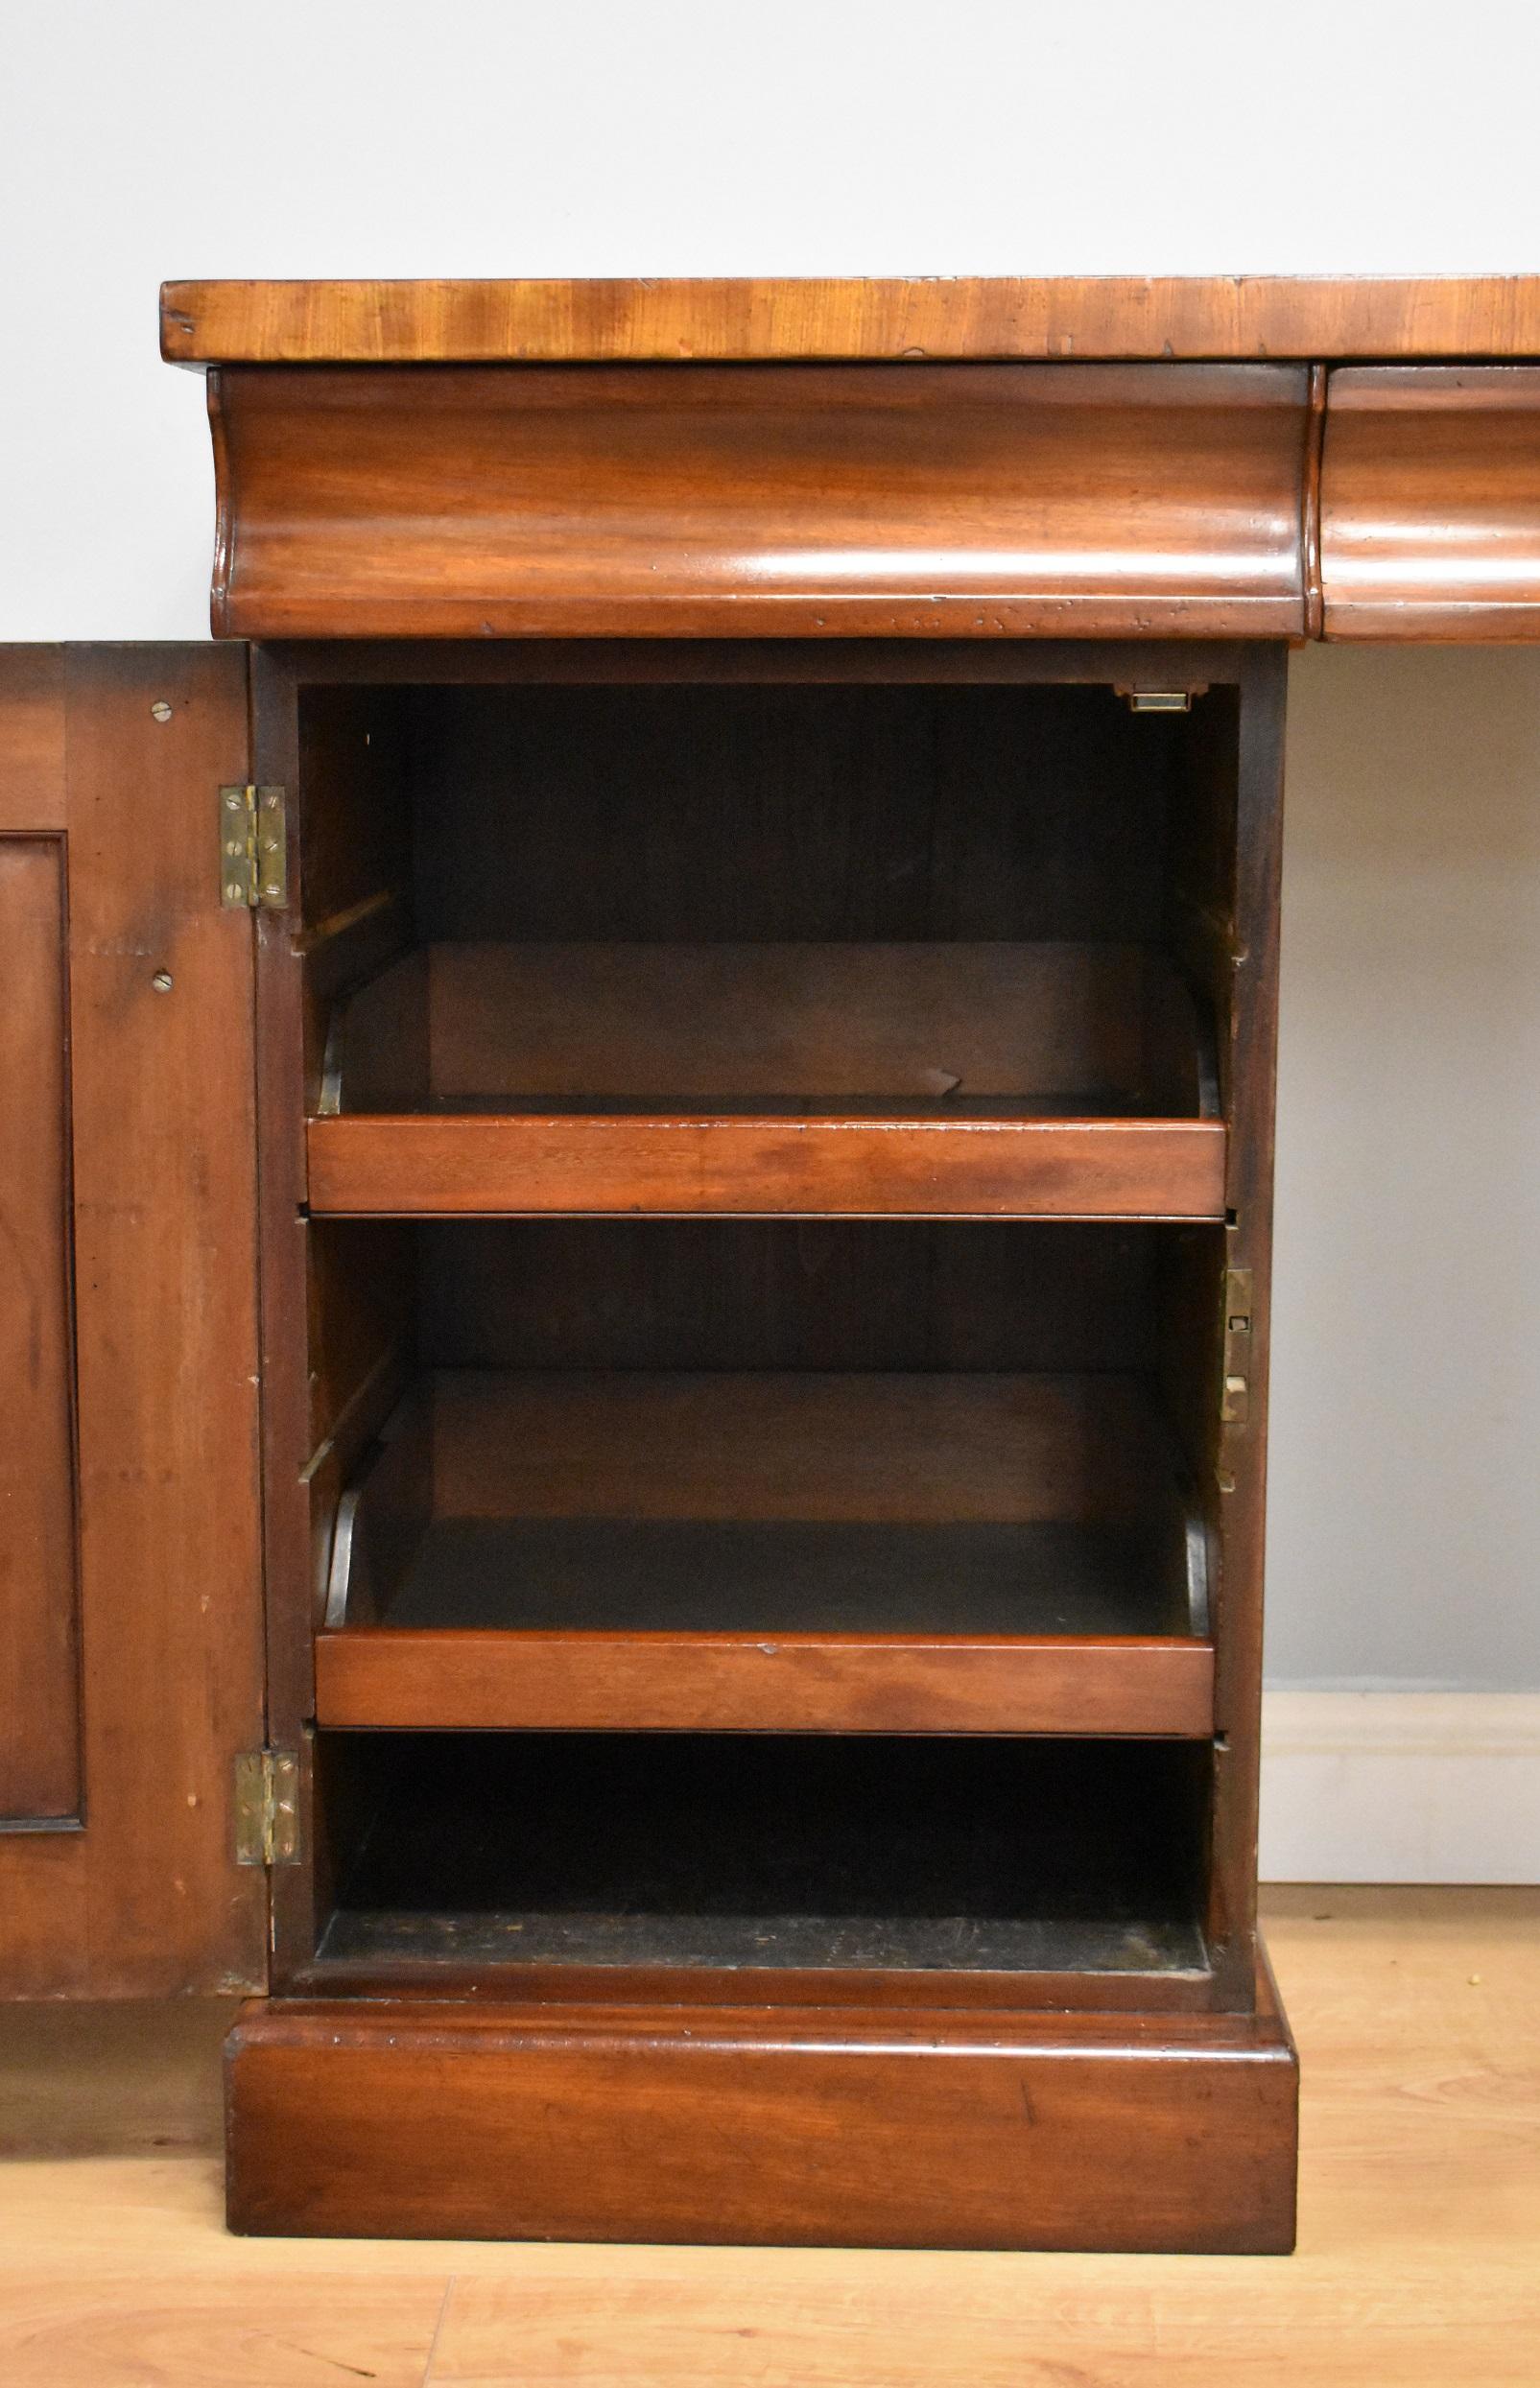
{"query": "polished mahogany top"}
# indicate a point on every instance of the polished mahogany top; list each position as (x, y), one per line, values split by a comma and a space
(1318, 317)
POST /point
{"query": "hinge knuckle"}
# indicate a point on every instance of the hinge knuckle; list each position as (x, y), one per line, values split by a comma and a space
(267, 1807)
(253, 848)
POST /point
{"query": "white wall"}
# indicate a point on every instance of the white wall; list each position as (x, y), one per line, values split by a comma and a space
(174, 138)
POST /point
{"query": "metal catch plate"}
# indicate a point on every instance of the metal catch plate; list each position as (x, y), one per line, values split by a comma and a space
(266, 1808)
(253, 848)
(1159, 700)
(1235, 1401)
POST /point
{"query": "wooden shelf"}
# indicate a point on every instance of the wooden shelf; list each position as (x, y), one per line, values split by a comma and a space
(420, 1167)
(946, 1079)
(831, 1553)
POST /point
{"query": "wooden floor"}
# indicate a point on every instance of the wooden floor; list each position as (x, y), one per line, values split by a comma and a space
(1418, 2020)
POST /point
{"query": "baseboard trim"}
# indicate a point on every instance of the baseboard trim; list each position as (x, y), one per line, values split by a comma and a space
(1396, 1786)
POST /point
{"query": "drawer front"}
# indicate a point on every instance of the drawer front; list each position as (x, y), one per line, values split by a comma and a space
(961, 501)
(1431, 503)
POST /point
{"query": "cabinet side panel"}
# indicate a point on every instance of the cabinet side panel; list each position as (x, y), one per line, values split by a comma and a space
(39, 1706)
(1242, 1441)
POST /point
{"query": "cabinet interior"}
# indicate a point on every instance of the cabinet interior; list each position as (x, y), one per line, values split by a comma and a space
(758, 1425)
(765, 1853)
(928, 899)
(717, 1586)
(836, 1436)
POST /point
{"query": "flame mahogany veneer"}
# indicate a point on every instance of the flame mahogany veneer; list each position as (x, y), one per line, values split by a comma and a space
(1246, 316)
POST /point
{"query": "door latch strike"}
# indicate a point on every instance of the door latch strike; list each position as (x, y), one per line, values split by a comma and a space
(1235, 1400)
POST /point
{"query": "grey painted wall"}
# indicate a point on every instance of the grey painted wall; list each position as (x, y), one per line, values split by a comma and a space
(1404, 1522)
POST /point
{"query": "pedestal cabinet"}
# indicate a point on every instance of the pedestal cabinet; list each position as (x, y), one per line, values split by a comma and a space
(637, 1188)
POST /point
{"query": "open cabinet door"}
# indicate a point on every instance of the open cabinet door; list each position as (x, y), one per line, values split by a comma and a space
(130, 1579)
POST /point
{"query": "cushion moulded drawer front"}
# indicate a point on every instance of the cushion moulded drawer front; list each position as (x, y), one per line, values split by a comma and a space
(808, 500)
(1431, 503)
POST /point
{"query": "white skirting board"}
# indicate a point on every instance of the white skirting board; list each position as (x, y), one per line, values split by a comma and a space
(1399, 1786)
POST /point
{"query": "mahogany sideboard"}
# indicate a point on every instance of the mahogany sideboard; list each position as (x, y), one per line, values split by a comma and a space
(636, 1187)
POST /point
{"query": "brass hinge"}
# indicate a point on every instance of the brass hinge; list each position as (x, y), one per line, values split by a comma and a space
(266, 1808)
(253, 848)
(1235, 1401)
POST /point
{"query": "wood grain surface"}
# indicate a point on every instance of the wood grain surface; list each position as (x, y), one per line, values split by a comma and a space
(147, 1896)
(795, 2127)
(417, 1165)
(486, 323)
(775, 1682)
(1431, 504)
(39, 1590)
(921, 1449)
(980, 501)
(804, 1024)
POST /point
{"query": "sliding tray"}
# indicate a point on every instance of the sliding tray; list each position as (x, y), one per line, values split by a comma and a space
(986, 1078)
(770, 1550)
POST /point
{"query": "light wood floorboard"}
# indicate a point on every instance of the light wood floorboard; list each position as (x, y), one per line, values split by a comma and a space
(1418, 2019)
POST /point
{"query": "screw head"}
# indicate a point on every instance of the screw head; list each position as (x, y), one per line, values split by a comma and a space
(160, 711)
(161, 981)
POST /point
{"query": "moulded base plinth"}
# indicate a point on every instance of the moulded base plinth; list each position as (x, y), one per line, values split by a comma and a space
(797, 2126)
